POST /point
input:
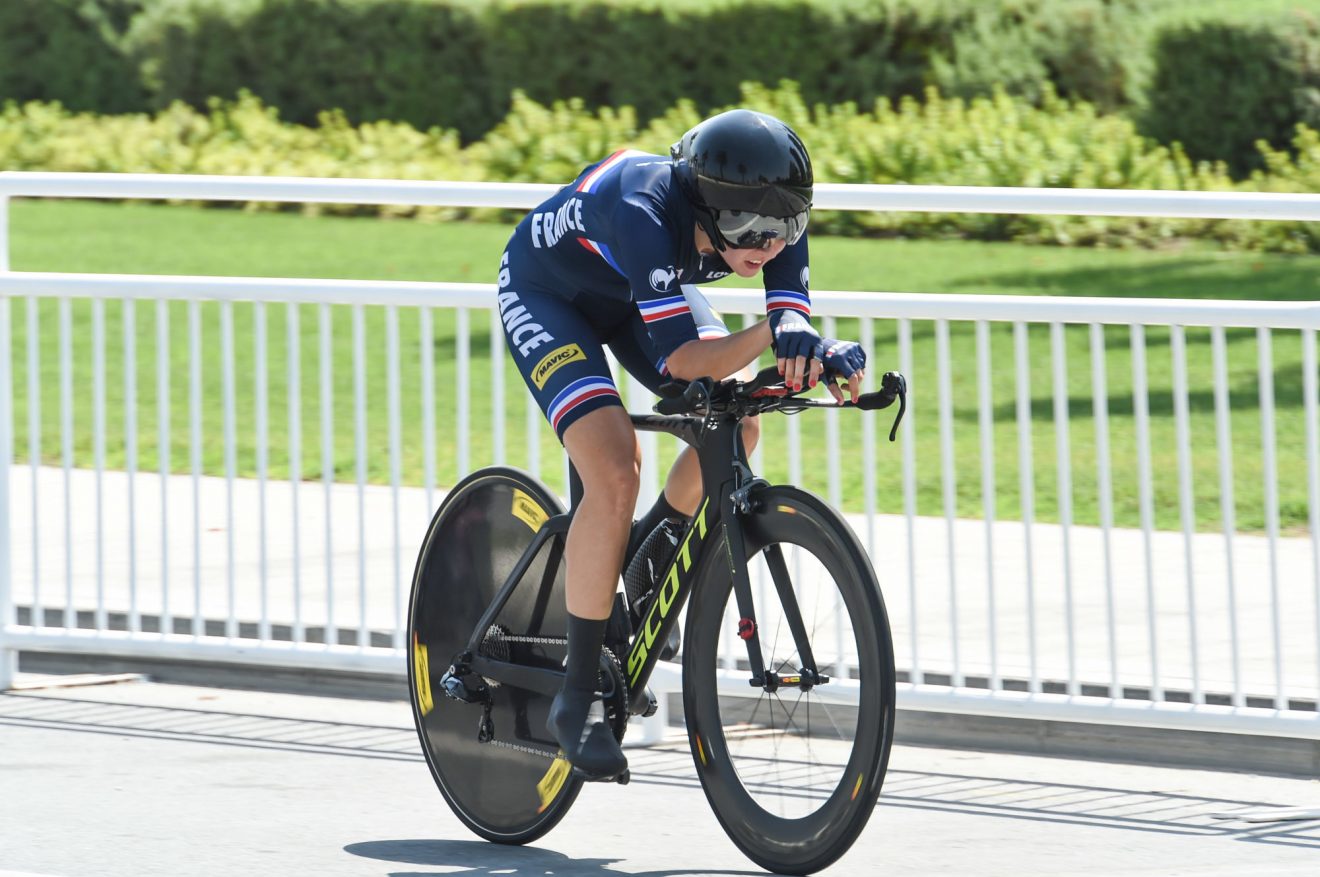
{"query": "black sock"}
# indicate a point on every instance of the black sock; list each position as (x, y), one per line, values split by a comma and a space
(649, 521)
(586, 739)
(585, 636)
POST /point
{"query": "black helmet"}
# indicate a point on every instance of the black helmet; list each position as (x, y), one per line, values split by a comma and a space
(749, 177)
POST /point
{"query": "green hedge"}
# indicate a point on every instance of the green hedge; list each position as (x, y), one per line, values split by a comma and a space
(454, 63)
(69, 51)
(996, 141)
(1220, 87)
(1215, 76)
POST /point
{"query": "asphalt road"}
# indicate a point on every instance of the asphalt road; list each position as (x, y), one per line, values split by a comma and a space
(142, 779)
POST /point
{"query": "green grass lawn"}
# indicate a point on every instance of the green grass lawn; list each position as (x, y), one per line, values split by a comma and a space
(136, 238)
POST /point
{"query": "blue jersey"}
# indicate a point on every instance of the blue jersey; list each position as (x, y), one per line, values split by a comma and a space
(624, 231)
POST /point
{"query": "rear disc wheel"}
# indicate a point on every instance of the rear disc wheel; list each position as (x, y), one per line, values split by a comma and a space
(509, 788)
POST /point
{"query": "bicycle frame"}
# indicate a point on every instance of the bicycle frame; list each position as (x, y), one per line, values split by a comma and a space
(730, 487)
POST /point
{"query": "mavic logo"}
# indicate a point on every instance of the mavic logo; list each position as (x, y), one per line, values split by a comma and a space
(663, 278)
(553, 361)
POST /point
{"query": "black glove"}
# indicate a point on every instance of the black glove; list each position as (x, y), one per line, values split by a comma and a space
(791, 335)
(840, 358)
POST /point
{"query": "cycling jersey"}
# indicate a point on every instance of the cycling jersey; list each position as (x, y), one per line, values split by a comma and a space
(611, 259)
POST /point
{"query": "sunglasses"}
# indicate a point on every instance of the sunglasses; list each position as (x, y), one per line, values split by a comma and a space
(751, 231)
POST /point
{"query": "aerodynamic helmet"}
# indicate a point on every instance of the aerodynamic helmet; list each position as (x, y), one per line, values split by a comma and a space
(748, 176)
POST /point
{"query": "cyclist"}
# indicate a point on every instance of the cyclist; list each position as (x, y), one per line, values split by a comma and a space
(612, 259)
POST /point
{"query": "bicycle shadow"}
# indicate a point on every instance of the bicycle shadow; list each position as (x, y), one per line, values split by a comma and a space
(480, 857)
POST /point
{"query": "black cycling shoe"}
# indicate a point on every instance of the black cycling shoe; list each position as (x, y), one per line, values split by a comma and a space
(585, 738)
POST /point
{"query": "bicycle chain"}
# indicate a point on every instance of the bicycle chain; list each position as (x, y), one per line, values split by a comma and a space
(518, 747)
(535, 640)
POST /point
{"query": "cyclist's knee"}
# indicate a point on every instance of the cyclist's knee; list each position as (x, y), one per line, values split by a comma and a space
(615, 479)
(751, 432)
(604, 449)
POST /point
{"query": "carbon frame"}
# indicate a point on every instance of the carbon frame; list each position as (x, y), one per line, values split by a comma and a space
(723, 461)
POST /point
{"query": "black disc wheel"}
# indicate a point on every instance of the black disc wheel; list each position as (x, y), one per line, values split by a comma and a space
(792, 767)
(493, 759)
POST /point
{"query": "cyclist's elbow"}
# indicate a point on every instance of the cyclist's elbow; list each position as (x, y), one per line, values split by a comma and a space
(687, 362)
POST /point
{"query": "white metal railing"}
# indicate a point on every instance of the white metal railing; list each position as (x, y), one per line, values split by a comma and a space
(1001, 615)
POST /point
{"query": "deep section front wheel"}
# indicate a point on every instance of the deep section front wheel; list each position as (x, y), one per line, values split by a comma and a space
(493, 760)
(792, 767)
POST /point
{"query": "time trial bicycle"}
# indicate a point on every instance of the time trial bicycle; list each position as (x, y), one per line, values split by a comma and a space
(787, 659)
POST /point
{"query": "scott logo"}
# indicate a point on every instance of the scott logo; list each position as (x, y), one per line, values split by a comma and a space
(663, 278)
(552, 362)
(666, 598)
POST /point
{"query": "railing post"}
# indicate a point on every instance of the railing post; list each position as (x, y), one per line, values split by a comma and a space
(8, 656)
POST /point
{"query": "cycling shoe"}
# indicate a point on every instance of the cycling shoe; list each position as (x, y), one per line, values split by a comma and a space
(585, 738)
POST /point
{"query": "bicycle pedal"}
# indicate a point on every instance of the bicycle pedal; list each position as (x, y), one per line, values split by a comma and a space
(620, 778)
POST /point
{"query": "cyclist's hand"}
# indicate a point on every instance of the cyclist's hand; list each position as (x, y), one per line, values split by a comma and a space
(843, 359)
(795, 343)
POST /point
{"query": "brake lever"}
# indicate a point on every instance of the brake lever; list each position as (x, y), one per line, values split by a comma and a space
(892, 386)
(684, 398)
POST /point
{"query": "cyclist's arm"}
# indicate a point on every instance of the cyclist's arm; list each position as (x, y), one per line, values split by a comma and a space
(719, 358)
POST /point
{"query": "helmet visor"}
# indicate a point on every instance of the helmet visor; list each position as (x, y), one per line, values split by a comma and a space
(751, 231)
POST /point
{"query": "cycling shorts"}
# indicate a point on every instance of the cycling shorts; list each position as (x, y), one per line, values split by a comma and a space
(558, 344)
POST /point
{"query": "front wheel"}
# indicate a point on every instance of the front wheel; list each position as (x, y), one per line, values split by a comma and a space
(792, 773)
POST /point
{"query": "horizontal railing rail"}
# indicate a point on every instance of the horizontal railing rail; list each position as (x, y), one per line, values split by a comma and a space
(827, 196)
(875, 305)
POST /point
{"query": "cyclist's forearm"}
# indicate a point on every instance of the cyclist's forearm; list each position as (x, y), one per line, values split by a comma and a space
(719, 357)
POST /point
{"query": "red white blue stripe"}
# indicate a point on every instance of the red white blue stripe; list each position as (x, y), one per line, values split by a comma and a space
(786, 299)
(592, 180)
(601, 250)
(663, 308)
(577, 393)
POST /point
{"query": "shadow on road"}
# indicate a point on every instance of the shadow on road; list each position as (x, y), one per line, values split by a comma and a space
(480, 857)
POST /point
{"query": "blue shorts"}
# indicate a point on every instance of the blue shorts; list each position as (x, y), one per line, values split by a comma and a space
(558, 344)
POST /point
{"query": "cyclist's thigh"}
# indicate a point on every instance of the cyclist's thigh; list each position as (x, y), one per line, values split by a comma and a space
(558, 353)
(633, 348)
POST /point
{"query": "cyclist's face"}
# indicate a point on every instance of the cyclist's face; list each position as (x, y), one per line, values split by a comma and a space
(748, 263)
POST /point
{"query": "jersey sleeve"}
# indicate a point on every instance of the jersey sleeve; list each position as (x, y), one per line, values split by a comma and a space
(787, 279)
(646, 253)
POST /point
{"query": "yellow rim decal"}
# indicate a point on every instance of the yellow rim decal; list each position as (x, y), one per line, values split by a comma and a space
(857, 788)
(553, 781)
(788, 510)
(526, 510)
(422, 676)
(700, 749)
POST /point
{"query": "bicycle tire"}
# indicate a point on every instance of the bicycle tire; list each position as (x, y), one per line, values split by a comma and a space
(792, 801)
(475, 539)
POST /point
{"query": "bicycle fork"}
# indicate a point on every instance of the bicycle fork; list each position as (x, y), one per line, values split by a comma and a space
(742, 502)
